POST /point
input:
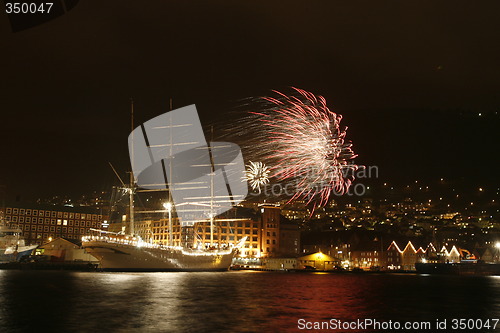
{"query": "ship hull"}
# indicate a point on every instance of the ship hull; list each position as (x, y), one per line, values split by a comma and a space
(123, 257)
(14, 256)
(458, 268)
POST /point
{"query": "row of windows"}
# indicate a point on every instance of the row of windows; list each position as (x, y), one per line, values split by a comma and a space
(231, 231)
(54, 229)
(250, 253)
(371, 254)
(369, 259)
(29, 219)
(235, 225)
(34, 220)
(166, 236)
(50, 213)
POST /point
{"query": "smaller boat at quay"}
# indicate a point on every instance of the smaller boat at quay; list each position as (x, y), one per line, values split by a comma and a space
(12, 244)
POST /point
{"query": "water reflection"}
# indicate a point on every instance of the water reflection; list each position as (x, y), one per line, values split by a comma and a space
(231, 301)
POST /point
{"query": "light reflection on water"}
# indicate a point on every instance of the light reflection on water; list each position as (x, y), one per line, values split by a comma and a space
(231, 301)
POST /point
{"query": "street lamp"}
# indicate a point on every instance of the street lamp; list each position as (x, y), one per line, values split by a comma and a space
(497, 245)
(168, 207)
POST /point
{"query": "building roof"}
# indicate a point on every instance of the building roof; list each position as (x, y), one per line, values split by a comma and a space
(58, 208)
(318, 256)
(60, 240)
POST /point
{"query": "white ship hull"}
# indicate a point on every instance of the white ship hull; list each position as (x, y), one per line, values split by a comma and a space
(13, 253)
(126, 257)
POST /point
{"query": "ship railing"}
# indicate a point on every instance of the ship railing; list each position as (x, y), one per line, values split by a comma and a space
(120, 239)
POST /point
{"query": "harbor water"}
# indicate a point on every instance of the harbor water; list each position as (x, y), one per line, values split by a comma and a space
(243, 301)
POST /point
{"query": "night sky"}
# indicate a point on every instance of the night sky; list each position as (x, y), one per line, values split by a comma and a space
(418, 82)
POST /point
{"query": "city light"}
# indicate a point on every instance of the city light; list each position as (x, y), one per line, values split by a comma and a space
(168, 206)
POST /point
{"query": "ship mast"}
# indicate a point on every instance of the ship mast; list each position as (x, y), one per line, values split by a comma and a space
(169, 180)
(212, 167)
(131, 189)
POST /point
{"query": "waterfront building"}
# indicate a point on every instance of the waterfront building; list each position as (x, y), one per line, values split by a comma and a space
(367, 256)
(451, 256)
(61, 249)
(318, 261)
(404, 259)
(393, 254)
(43, 223)
(408, 257)
(280, 264)
(341, 250)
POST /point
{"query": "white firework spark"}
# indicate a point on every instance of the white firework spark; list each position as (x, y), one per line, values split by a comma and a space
(257, 175)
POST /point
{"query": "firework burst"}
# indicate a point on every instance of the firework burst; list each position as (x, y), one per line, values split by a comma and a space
(301, 139)
(257, 175)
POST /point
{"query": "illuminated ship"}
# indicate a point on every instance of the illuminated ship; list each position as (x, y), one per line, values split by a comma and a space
(12, 245)
(208, 195)
(118, 252)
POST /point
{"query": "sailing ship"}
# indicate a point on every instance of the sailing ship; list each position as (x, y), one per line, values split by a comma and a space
(12, 244)
(119, 252)
(203, 202)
